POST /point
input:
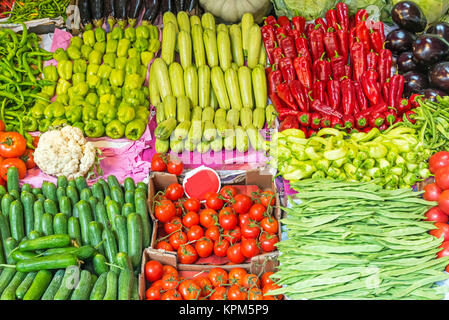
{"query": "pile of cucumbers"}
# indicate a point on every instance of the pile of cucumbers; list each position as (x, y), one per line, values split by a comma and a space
(215, 97)
(71, 241)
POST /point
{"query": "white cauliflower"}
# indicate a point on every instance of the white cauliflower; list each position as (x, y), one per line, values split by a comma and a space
(65, 152)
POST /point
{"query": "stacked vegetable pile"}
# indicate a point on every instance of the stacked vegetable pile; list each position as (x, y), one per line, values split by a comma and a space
(5, 8)
(392, 159)
(208, 104)
(99, 83)
(358, 241)
(46, 230)
(422, 58)
(333, 73)
(26, 10)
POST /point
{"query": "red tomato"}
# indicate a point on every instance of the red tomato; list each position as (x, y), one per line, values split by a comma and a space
(159, 162)
(219, 293)
(236, 292)
(164, 245)
(195, 233)
(243, 219)
(35, 141)
(214, 201)
(251, 280)
(165, 211)
(435, 214)
(12, 144)
(269, 287)
(205, 285)
(255, 294)
(233, 236)
(445, 249)
(3, 127)
(153, 293)
(257, 211)
(213, 233)
(177, 239)
(174, 191)
(28, 158)
(251, 230)
(442, 178)
(208, 217)
(189, 290)
(242, 203)
(269, 224)
(228, 192)
(443, 201)
(178, 208)
(267, 198)
(268, 241)
(153, 270)
(157, 284)
(192, 204)
(221, 247)
(236, 276)
(2, 182)
(204, 247)
(218, 276)
(175, 166)
(187, 254)
(168, 269)
(438, 160)
(443, 230)
(190, 219)
(234, 254)
(12, 162)
(431, 192)
(208, 194)
(227, 219)
(173, 225)
(265, 279)
(171, 295)
(249, 248)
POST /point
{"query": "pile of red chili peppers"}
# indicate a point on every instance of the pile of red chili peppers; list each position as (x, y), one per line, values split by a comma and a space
(332, 73)
(5, 6)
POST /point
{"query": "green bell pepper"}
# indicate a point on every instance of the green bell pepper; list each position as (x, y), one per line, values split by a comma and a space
(95, 57)
(106, 113)
(94, 128)
(154, 45)
(89, 38)
(120, 63)
(79, 66)
(58, 122)
(60, 55)
(133, 53)
(143, 72)
(85, 51)
(115, 129)
(100, 35)
(109, 99)
(118, 92)
(142, 113)
(89, 113)
(74, 113)
(133, 97)
(92, 69)
(29, 123)
(109, 59)
(44, 125)
(141, 44)
(133, 81)
(81, 89)
(146, 57)
(142, 32)
(154, 32)
(79, 125)
(78, 77)
(103, 90)
(104, 71)
(76, 42)
(117, 77)
(63, 98)
(65, 69)
(117, 33)
(37, 111)
(111, 46)
(50, 90)
(122, 47)
(130, 34)
(73, 52)
(100, 47)
(62, 86)
(51, 73)
(135, 129)
(125, 113)
(132, 66)
(92, 99)
(54, 110)
(93, 80)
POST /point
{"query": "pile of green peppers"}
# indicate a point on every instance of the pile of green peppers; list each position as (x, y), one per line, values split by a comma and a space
(99, 84)
(392, 160)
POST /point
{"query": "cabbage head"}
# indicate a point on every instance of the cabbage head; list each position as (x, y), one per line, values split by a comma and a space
(309, 9)
(433, 9)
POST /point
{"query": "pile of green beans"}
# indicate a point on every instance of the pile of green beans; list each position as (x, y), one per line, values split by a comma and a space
(358, 241)
(21, 63)
(27, 10)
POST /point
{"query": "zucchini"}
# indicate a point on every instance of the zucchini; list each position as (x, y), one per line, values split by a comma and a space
(60, 223)
(183, 22)
(224, 49)
(183, 108)
(241, 139)
(196, 132)
(135, 238)
(170, 104)
(161, 146)
(45, 242)
(208, 114)
(39, 285)
(229, 140)
(210, 46)
(203, 147)
(99, 289)
(176, 75)
(165, 128)
(185, 48)
(259, 86)
(232, 88)
(233, 117)
(217, 144)
(83, 288)
(198, 45)
(176, 146)
(245, 85)
(54, 285)
(197, 113)
(16, 223)
(210, 132)
(162, 78)
(235, 33)
(218, 84)
(203, 86)
(213, 99)
(153, 89)
(68, 283)
(111, 286)
(169, 34)
(246, 117)
(246, 23)
(254, 43)
(259, 118)
(191, 84)
(208, 21)
(160, 113)
(255, 138)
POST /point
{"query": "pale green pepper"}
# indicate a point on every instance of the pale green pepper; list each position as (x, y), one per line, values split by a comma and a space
(122, 47)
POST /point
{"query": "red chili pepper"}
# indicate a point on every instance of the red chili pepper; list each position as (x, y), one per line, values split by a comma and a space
(360, 96)
(336, 123)
(290, 122)
(270, 20)
(358, 58)
(304, 118)
(386, 91)
(343, 15)
(284, 93)
(315, 120)
(303, 71)
(390, 117)
(319, 92)
(277, 102)
(384, 64)
(280, 34)
(361, 120)
(322, 70)
(414, 100)
(383, 127)
(371, 61)
(298, 92)
(403, 106)
(274, 79)
(326, 121)
(348, 96)
(342, 42)
(396, 89)
(286, 112)
(333, 93)
(362, 34)
(338, 64)
(330, 43)
(322, 108)
(348, 121)
(351, 38)
(348, 71)
(399, 120)
(316, 43)
(309, 28)
(287, 69)
(376, 40)
(277, 55)
(269, 40)
(284, 22)
(288, 47)
(320, 23)
(361, 15)
(410, 116)
(370, 88)
(302, 48)
(299, 23)
(376, 119)
(379, 26)
(331, 19)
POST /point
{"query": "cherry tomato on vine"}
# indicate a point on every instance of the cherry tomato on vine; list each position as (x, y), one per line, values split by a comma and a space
(214, 202)
(219, 293)
(267, 198)
(192, 204)
(171, 295)
(164, 245)
(269, 224)
(268, 241)
(165, 211)
(242, 203)
(158, 162)
(227, 219)
(189, 290)
(208, 217)
(175, 166)
(236, 276)
(177, 239)
(168, 269)
(153, 294)
(233, 236)
(213, 233)
(435, 214)
(153, 270)
(221, 247)
(228, 192)
(174, 191)
(438, 160)
(190, 219)
(236, 292)
(249, 248)
(195, 233)
(250, 230)
(251, 280)
(173, 225)
(187, 254)
(204, 247)
(205, 285)
(218, 276)
(234, 253)
(265, 278)
(257, 211)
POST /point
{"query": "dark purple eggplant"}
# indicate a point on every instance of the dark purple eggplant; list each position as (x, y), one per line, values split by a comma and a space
(399, 40)
(85, 16)
(96, 10)
(429, 49)
(171, 6)
(179, 5)
(121, 7)
(431, 94)
(190, 5)
(439, 76)
(406, 62)
(409, 16)
(441, 29)
(109, 15)
(414, 82)
(151, 11)
(134, 10)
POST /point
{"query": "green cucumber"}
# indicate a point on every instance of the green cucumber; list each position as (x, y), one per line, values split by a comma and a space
(106, 190)
(129, 197)
(47, 224)
(10, 291)
(99, 289)
(82, 290)
(50, 206)
(85, 217)
(6, 204)
(95, 236)
(82, 253)
(68, 283)
(141, 209)
(73, 195)
(54, 285)
(128, 208)
(97, 191)
(124, 261)
(62, 182)
(99, 262)
(5, 233)
(18, 255)
(27, 199)
(122, 233)
(15, 194)
(39, 285)
(65, 206)
(102, 216)
(60, 192)
(73, 227)
(45, 242)
(12, 179)
(129, 184)
(71, 183)
(2, 191)
(36, 191)
(10, 245)
(60, 223)
(6, 277)
(49, 191)
(113, 182)
(16, 223)
(125, 284)
(38, 208)
(110, 247)
(54, 261)
(81, 184)
(25, 285)
(117, 196)
(135, 292)
(111, 286)
(135, 238)
(112, 209)
(85, 194)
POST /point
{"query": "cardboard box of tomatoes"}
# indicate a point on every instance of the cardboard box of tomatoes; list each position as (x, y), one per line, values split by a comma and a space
(218, 280)
(190, 237)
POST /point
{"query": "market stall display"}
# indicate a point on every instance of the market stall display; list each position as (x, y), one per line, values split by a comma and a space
(22, 11)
